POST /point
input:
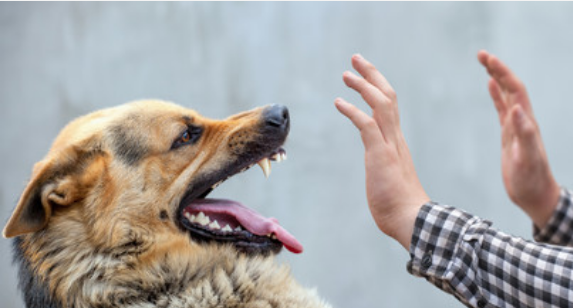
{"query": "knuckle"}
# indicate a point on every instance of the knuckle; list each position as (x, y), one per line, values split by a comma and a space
(370, 67)
(392, 94)
(528, 131)
(370, 124)
(387, 102)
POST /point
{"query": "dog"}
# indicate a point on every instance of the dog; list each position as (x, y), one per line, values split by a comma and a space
(116, 214)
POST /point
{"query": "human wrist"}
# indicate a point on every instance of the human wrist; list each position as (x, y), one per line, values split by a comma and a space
(399, 224)
(541, 213)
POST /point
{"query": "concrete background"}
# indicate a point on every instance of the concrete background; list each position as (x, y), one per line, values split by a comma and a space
(61, 60)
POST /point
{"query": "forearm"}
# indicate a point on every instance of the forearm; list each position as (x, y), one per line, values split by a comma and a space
(483, 267)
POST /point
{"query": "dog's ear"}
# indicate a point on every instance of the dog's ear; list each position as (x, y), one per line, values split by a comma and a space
(32, 212)
(55, 182)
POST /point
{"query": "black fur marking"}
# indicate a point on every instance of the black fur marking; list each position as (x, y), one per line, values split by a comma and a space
(163, 215)
(129, 147)
(35, 291)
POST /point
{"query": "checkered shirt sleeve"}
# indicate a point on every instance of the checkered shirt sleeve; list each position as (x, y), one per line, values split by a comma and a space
(483, 267)
(559, 228)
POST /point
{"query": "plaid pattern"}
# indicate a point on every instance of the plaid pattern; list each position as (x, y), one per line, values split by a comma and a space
(483, 267)
(559, 228)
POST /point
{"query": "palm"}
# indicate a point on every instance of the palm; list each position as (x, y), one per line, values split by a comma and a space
(523, 172)
(525, 168)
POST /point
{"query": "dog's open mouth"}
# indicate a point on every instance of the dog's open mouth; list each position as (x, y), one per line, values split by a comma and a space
(228, 221)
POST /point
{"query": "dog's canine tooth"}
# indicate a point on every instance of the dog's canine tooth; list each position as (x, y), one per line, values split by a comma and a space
(227, 228)
(274, 237)
(238, 228)
(283, 156)
(265, 164)
(214, 225)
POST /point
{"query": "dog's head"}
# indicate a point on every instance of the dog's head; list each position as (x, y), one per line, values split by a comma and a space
(121, 176)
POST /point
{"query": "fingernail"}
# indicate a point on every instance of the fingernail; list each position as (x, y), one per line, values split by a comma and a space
(358, 57)
(339, 100)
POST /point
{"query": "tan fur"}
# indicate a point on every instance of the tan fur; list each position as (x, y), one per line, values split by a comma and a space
(90, 229)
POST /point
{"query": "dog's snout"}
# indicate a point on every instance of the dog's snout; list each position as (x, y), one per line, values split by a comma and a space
(277, 116)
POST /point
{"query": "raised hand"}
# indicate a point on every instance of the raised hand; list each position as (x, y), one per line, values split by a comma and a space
(525, 169)
(393, 189)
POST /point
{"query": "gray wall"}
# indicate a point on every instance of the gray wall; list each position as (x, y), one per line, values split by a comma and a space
(61, 60)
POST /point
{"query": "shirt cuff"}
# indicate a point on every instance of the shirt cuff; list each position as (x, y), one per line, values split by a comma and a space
(437, 249)
(437, 233)
(559, 228)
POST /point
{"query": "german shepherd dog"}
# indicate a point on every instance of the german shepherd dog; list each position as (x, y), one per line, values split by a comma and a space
(116, 214)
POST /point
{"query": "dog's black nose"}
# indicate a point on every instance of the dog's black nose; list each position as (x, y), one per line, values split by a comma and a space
(276, 116)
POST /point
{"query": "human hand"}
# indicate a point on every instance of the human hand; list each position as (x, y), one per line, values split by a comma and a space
(393, 189)
(525, 169)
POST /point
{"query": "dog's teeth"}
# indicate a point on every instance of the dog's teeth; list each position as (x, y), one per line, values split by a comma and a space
(203, 219)
(227, 228)
(187, 215)
(283, 156)
(214, 225)
(238, 228)
(269, 235)
(265, 164)
(192, 218)
(274, 237)
(277, 157)
(216, 184)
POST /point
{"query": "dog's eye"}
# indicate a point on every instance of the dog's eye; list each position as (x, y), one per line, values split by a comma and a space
(185, 137)
(189, 136)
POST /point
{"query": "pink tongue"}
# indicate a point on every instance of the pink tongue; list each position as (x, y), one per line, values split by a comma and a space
(248, 218)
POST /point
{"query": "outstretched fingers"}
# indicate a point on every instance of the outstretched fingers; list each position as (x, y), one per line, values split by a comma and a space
(372, 75)
(378, 94)
(498, 99)
(369, 130)
(508, 83)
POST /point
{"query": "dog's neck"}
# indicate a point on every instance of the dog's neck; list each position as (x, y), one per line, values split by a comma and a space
(62, 269)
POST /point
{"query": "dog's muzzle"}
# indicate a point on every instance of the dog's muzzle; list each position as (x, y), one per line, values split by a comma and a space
(228, 221)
